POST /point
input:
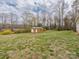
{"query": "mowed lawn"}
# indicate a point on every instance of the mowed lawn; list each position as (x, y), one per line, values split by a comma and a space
(46, 45)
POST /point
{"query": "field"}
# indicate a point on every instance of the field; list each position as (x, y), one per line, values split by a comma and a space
(46, 45)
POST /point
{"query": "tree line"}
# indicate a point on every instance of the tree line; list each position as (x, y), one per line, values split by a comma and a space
(56, 16)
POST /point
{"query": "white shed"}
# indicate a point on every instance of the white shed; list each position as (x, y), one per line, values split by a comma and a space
(37, 29)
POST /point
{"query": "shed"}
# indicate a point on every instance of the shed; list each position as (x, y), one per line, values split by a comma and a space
(37, 29)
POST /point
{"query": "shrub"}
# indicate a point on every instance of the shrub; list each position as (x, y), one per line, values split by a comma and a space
(45, 27)
(6, 32)
(22, 30)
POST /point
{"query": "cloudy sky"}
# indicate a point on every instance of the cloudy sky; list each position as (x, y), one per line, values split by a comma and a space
(20, 5)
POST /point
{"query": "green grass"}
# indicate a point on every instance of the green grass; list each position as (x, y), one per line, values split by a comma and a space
(46, 45)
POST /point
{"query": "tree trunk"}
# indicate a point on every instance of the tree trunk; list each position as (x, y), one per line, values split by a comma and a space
(74, 26)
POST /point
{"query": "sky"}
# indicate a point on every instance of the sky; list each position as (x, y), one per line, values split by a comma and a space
(21, 3)
(17, 6)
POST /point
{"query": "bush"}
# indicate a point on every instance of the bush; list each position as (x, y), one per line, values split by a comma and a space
(6, 32)
(22, 30)
(45, 27)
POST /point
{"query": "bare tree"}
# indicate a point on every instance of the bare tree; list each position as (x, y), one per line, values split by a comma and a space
(11, 19)
(62, 12)
(2, 19)
(75, 15)
(28, 19)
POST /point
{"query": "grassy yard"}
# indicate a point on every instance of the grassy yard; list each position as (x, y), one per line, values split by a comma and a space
(46, 45)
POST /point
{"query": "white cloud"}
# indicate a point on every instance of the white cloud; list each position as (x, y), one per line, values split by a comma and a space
(22, 3)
